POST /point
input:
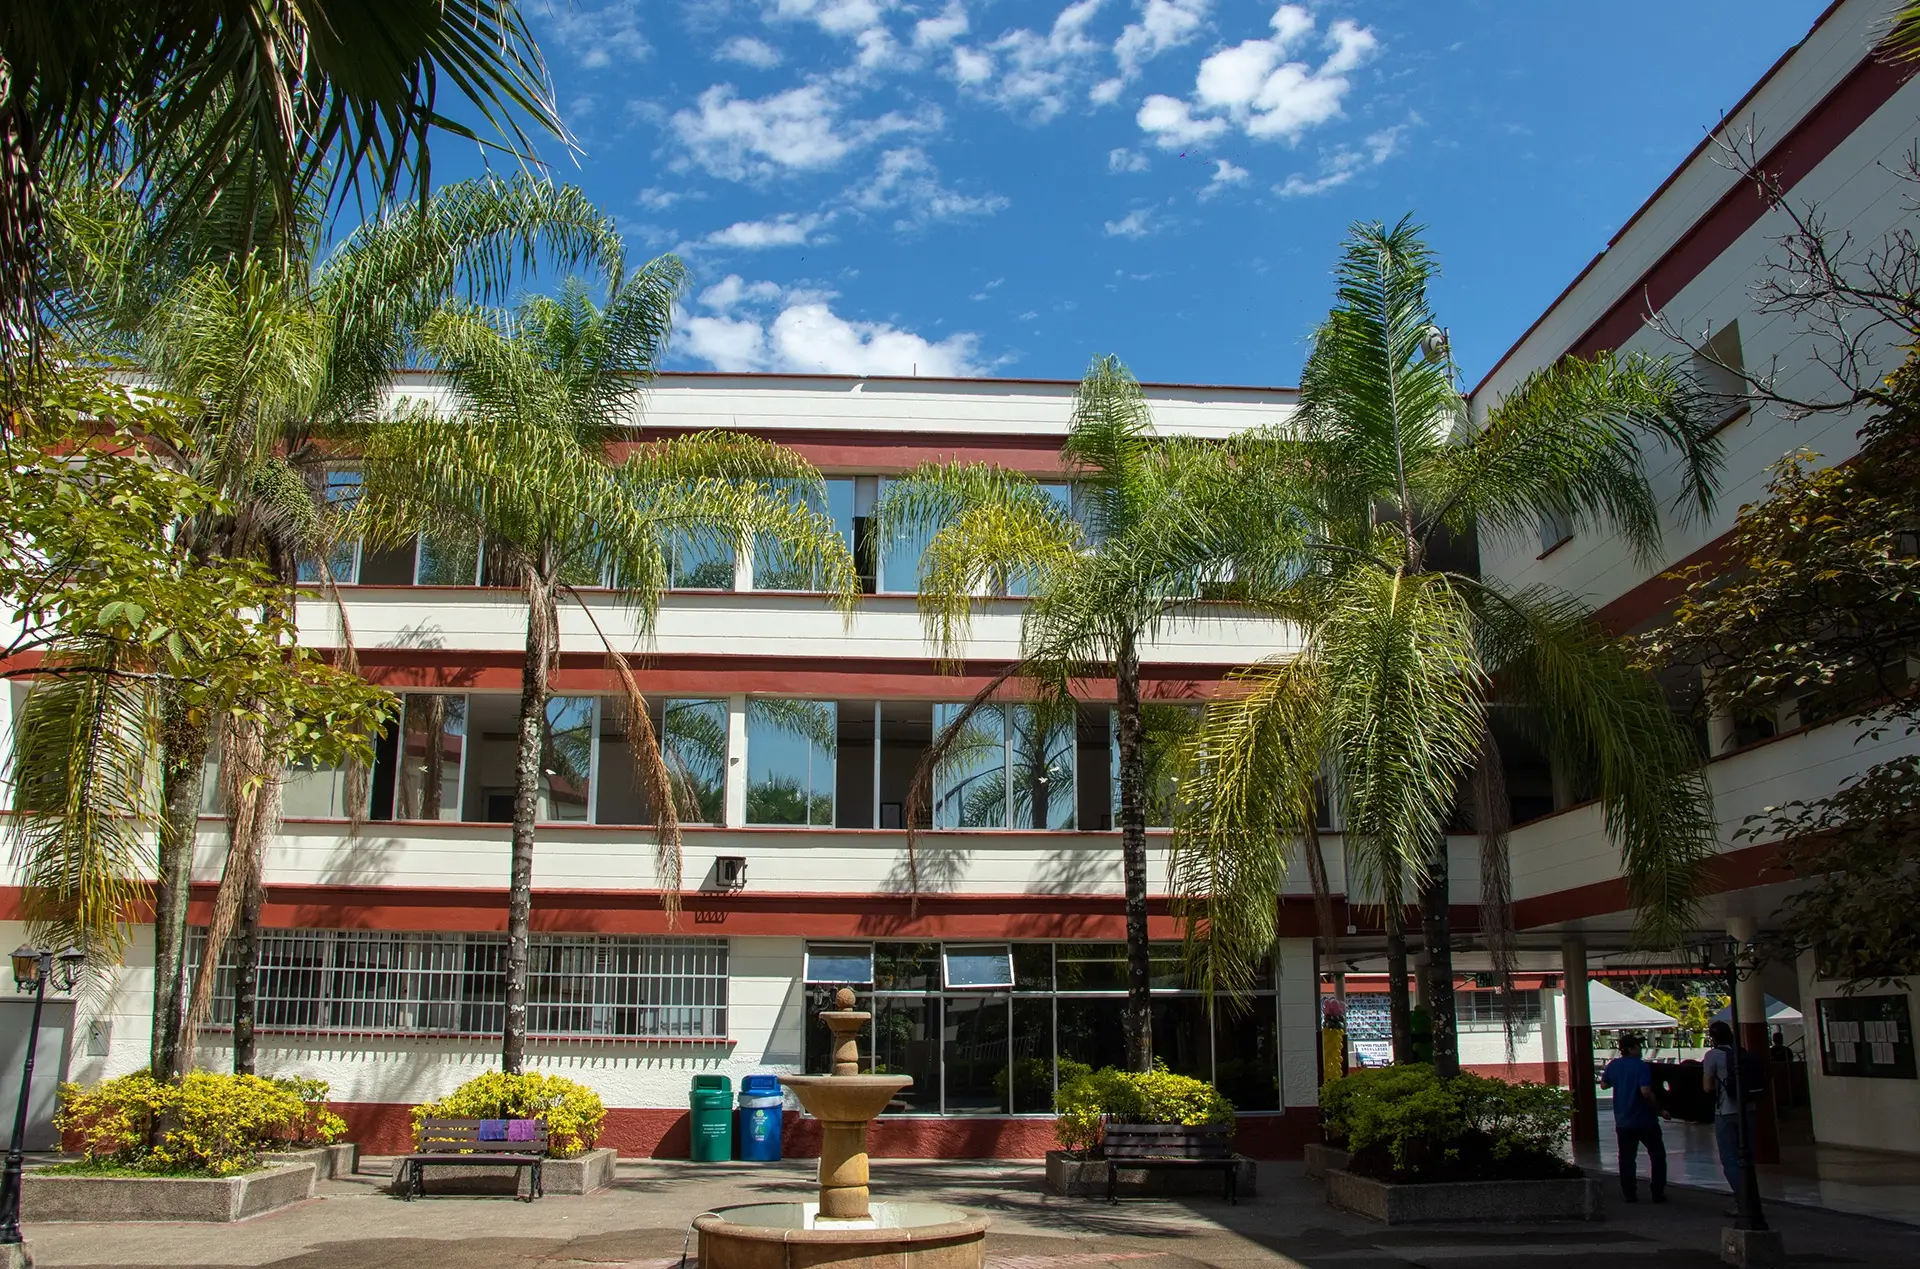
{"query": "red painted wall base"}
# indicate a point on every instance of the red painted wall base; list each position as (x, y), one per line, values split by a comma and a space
(646, 1133)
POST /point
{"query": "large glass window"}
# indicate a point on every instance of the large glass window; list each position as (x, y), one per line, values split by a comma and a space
(791, 747)
(1167, 726)
(340, 489)
(700, 562)
(945, 1015)
(900, 558)
(567, 759)
(693, 740)
(777, 569)
(1011, 767)
(450, 558)
(433, 743)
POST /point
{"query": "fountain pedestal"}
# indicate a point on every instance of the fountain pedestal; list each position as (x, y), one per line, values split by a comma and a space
(843, 1226)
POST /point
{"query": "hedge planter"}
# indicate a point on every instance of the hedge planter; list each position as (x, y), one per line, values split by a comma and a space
(1069, 1174)
(1321, 1160)
(582, 1174)
(1573, 1199)
(164, 1198)
(330, 1163)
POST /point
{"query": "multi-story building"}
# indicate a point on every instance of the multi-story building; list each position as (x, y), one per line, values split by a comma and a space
(994, 956)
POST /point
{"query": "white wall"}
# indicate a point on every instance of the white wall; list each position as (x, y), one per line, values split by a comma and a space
(1870, 1114)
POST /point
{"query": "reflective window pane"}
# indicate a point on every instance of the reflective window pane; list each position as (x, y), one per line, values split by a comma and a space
(906, 1041)
(818, 1044)
(976, 1055)
(1033, 967)
(341, 489)
(1183, 1036)
(450, 558)
(693, 740)
(432, 746)
(1040, 769)
(1021, 584)
(1246, 1066)
(970, 784)
(774, 568)
(701, 562)
(790, 761)
(566, 759)
(978, 965)
(839, 963)
(306, 792)
(1092, 1033)
(1032, 1070)
(900, 559)
(906, 966)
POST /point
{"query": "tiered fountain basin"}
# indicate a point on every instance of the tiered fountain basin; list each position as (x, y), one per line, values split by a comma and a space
(843, 1226)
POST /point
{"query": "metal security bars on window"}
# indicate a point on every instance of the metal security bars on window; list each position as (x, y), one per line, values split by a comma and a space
(375, 983)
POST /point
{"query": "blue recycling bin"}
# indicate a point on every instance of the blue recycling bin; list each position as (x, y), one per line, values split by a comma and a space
(761, 1105)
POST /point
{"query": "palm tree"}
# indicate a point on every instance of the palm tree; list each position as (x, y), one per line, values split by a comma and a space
(1158, 531)
(523, 465)
(274, 352)
(274, 103)
(1407, 657)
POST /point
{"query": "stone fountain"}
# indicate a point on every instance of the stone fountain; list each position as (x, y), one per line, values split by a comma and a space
(842, 1226)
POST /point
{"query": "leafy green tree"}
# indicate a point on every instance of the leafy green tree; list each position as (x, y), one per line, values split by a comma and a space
(1404, 654)
(119, 618)
(1160, 529)
(273, 352)
(524, 463)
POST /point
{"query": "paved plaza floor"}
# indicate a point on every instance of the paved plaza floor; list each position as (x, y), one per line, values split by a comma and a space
(642, 1223)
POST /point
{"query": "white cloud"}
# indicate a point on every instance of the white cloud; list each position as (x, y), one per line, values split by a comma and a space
(597, 38)
(1224, 174)
(784, 230)
(907, 181)
(749, 51)
(836, 17)
(759, 327)
(1106, 92)
(1170, 122)
(798, 130)
(655, 199)
(1343, 164)
(1163, 24)
(1024, 70)
(1125, 160)
(1265, 87)
(945, 29)
(1137, 223)
(987, 291)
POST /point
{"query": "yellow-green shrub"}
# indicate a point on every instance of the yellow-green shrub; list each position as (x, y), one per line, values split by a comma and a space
(1416, 1116)
(572, 1112)
(319, 1126)
(1156, 1097)
(209, 1124)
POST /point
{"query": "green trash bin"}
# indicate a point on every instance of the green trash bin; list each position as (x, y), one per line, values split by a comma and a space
(712, 1119)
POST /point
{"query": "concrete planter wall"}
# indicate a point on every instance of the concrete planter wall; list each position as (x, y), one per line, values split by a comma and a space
(1574, 1199)
(330, 1163)
(582, 1174)
(1069, 1175)
(1321, 1160)
(164, 1198)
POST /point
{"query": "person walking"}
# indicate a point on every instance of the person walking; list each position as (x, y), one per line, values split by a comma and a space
(1636, 1119)
(1716, 1077)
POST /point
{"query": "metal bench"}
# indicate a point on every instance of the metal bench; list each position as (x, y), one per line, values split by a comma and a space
(457, 1143)
(1170, 1146)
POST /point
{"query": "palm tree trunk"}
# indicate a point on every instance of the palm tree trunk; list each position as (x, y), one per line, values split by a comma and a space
(246, 976)
(1399, 1009)
(542, 634)
(183, 772)
(1133, 854)
(1437, 928)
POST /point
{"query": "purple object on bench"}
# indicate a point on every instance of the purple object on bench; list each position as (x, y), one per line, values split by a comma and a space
(495, 1130)
(522, 1129)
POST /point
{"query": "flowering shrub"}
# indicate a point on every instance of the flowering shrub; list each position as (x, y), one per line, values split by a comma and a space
(201, 1124)
(572, 1112)
(1156, 1097)
(318, 1126)
(1410, 1124)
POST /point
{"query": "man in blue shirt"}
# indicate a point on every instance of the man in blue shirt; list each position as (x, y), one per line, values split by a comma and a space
(1636, 1118)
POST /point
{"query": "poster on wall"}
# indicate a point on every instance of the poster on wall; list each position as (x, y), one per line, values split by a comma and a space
(1869, 1036)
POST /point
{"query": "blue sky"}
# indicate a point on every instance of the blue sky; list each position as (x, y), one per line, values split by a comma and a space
(1008, 188)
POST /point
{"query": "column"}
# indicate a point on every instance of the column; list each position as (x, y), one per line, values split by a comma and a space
(1573, 965)
(736, 780)
(1752, 999)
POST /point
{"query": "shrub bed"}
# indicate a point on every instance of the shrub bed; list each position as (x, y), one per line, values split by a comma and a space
(571, 1111)
(1405, 1124)
(1086, 1101)
(199, 1125)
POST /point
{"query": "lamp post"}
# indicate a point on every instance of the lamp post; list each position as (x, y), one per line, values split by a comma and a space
(32, 967)
(1735, 968)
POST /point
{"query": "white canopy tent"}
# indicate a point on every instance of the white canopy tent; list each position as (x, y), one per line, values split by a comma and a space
(1779, 1013)
(1609, 1010)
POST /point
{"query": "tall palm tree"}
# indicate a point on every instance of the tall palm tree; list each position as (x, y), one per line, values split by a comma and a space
(1159, 530)
(525, 465)
(276, 102)
(274, 352)
(1406, 656)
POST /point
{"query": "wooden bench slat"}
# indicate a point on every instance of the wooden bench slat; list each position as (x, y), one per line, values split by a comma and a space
(458, 1143)
(1148, 1146)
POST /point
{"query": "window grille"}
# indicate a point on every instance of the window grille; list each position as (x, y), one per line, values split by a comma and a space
(578, 985)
